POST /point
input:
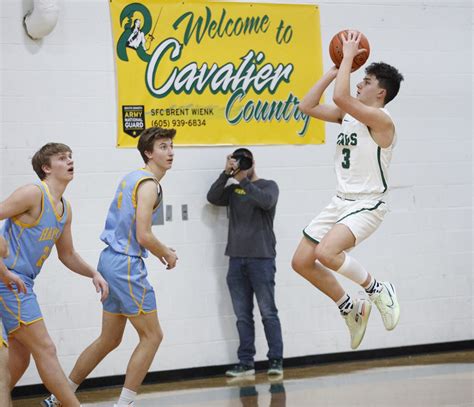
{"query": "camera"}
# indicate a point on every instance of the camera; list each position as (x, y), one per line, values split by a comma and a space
(243, 162)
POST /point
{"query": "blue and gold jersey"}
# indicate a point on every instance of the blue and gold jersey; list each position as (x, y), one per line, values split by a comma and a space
(30, 244)
(120, 231)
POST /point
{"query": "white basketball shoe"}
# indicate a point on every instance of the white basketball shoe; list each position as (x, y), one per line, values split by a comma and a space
(387, 304)
(357, 320)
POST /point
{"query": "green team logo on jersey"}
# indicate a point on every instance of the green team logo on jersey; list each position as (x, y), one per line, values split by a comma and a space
(346, 140)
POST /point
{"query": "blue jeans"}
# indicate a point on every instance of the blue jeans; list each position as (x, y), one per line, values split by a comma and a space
(246, 277)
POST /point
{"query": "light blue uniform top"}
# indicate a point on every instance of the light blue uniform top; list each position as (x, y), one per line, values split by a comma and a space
(30, 244)
(120, 231)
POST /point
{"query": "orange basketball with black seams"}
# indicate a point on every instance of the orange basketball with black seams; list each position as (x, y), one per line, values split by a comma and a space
(336, 54)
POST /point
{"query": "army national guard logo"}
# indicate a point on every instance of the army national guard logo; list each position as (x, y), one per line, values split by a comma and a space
(133, 120)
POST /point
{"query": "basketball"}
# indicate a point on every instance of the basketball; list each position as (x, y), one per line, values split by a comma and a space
(335, 50)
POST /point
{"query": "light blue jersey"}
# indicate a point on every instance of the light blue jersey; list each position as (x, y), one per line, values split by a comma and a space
(121, 263)
(30, 244)
(120, 231)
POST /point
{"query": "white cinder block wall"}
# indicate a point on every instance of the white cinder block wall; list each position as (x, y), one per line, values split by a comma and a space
(63, 89)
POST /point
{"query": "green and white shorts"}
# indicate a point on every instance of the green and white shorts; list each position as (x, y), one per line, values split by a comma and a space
(361, 216)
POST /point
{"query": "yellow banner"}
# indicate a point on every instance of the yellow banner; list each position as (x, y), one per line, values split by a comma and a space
(217, 72)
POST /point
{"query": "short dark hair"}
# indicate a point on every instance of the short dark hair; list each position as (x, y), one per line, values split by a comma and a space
(149, 136)
(243, 151)
(388, 76)
(44, 154)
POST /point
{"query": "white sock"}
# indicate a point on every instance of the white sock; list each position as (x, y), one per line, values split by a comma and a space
(345, 304)
(366, 287)
(126, 397)
(72, 385)
(353, 270)
(374, 287)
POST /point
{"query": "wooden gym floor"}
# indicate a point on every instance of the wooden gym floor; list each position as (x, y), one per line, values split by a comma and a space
(444, 379)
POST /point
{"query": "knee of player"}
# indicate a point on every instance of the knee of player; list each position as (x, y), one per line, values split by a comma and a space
(48, 348)
(158, 335)
(156, 338)
(152, 336)
(297, 264)
(325, 255)
(300, 262)
(110, 343)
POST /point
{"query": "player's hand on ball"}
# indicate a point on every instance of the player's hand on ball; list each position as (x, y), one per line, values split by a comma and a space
(350, 44)
(339, 47)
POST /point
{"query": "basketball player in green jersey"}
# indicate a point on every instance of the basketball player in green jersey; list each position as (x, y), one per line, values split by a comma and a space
(363, 153)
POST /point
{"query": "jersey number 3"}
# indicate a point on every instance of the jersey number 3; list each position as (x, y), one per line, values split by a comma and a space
(346, 163)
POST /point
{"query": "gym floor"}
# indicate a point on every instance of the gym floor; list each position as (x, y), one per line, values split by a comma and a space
(443, 379)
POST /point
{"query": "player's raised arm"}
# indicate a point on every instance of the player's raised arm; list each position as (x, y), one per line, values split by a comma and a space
(311, 105)
(370, 98)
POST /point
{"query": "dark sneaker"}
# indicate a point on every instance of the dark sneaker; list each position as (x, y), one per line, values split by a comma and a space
(240, 370)
(275, 367)
(51, 401)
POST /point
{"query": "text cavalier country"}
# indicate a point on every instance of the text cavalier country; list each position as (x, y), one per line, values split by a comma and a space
(228, 78)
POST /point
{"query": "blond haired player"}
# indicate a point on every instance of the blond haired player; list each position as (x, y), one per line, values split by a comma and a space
(38, 217)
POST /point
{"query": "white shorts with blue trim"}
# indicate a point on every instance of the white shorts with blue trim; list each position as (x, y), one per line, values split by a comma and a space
(361, 216)
(130, 293)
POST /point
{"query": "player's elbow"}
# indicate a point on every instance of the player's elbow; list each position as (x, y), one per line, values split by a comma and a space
(341, 101)
(337, 99)
(305, 108)
(65, 256)
(143, 239)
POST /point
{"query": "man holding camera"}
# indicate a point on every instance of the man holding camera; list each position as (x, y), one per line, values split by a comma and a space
(251, 250)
